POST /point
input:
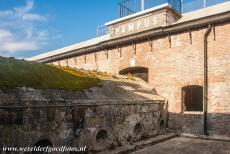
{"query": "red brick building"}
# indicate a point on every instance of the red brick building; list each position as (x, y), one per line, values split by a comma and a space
(185, 57)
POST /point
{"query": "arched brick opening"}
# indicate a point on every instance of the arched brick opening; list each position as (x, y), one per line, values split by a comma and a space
(192, 98)
(138, 71)
(42, 143)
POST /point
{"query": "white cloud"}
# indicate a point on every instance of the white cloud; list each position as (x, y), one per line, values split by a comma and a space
(42, 35)
(9, 43)
(24, 13)
(5, 13)
(12, 46)
(33, 17)
(21, 29)
(28, 7)
(4, 34)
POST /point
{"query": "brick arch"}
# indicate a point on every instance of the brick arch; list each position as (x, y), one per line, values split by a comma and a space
(137, 71)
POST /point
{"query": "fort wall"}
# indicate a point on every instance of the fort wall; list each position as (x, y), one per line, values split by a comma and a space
(175, 61)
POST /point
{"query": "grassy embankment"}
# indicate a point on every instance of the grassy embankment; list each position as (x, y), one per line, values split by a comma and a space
(19, 73)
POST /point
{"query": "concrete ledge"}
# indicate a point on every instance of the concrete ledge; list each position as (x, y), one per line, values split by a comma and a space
(204, 137)
(141, 144)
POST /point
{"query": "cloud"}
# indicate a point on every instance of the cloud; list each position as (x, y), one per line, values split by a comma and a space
(33, 17)
(12, 46)
(28, 7)
(22, 29)
(5, 13)
(24, 13)
(4, 34)
(9, 43)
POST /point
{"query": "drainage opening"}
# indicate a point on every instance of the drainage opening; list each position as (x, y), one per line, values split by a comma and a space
(162, 125)
(102, 136)
(42, 144)
(137, 129)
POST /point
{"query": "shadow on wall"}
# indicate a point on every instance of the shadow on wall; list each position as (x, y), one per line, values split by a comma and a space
(120, 90)
(138, 71)
(193, 123)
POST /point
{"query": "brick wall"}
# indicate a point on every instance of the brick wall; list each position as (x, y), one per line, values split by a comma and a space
(173, 66)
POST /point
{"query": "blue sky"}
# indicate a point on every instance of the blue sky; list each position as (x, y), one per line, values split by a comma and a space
(31, 27)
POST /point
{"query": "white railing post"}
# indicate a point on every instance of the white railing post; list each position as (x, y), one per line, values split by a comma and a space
(182, 6)
(142, 5)
(205, 3)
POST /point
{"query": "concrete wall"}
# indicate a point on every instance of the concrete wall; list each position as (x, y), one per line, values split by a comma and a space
(173, 66)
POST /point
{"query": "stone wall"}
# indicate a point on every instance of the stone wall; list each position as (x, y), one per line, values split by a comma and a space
(173, 65)
(95, 124)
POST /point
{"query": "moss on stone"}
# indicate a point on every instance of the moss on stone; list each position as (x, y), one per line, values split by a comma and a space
(20, 73)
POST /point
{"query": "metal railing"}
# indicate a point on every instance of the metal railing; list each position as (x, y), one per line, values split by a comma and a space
(192, 5)
(102, 30)
(129, 7)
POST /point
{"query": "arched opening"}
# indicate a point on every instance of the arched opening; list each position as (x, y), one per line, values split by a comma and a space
(42, 143)
(192, 98)
(137, 129)
(140, 72)
(162, 125)
(102, 137)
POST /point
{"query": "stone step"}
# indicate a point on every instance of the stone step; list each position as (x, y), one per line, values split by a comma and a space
(140, 144)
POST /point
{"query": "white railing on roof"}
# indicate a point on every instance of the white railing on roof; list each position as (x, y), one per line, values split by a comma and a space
(102, 30)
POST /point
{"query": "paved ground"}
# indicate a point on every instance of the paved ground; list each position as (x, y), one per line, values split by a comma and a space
(181, 145)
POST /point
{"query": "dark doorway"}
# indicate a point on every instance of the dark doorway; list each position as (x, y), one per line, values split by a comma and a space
(42, 143)
(192, 98)
(140, 72)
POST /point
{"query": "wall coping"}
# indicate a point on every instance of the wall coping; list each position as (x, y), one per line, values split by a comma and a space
(216, 13)
(141, 13)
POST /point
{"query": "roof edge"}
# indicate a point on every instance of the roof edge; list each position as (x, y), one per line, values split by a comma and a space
(142, 35)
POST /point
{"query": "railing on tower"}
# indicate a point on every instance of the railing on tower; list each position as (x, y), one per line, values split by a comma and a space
(102, 30)
(128, 7)
(192, 5)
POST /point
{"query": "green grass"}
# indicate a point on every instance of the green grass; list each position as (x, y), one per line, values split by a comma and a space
(19, 73)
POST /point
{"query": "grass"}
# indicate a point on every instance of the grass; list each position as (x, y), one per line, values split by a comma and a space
(20, 73)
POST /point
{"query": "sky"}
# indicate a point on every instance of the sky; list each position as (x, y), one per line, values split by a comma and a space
(32, 27)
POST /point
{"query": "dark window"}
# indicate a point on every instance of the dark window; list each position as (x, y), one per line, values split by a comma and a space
(192, 98)
(140, 72)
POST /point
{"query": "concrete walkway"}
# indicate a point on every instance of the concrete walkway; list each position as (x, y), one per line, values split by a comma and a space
(182, 145)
